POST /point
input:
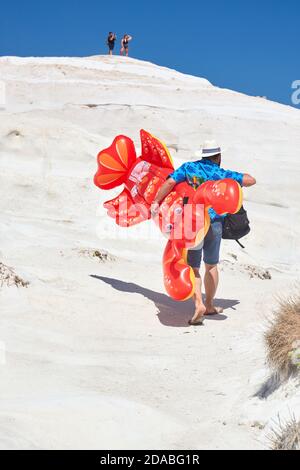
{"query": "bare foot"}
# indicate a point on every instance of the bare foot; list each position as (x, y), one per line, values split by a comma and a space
(211, 310)
(198, 315)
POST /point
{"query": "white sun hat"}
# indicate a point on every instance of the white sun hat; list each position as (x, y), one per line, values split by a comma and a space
(209, 149)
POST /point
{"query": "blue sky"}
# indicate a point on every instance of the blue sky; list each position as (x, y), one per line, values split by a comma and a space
(248, 46)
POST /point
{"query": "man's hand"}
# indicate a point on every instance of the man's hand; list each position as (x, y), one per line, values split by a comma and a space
(248, 180)
(154, 209)
(162, 193)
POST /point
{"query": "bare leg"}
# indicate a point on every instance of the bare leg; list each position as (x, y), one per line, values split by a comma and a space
(199, 305)
(211, 281)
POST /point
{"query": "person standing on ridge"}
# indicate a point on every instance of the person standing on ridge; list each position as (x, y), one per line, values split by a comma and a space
(125, 44)
(111, 42)
(195, 173)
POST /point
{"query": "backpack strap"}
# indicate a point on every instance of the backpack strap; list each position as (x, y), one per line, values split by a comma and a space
(242, 246)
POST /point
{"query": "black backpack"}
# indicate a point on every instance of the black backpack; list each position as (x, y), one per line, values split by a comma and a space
(236, 226)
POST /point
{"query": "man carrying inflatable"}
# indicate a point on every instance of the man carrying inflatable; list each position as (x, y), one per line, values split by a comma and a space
(195, 173)
(179, 202)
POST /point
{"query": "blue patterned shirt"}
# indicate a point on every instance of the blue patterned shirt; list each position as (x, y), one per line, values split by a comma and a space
(196, 173)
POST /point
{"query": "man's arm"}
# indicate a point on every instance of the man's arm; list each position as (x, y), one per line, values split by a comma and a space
(248, 180)
(162, 193)
(243, 179)
(174, 178)
(164, 190)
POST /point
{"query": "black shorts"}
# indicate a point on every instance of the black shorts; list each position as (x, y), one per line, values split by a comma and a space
(111, 46)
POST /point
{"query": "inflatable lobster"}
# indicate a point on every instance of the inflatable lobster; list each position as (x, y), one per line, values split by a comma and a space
(183, 215)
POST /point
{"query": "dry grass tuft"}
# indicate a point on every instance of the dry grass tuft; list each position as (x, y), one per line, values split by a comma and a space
(8, 277)
(283, 338)
(286, 436)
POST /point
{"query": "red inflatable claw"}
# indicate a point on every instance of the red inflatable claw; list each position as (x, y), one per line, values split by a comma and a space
(183, 217)
(114, 163)
(225, 196)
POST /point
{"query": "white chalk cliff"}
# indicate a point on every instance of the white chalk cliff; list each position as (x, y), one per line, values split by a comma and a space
(94, 355)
